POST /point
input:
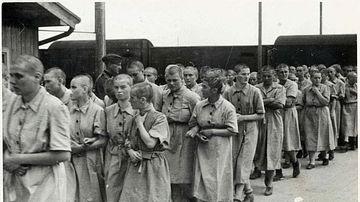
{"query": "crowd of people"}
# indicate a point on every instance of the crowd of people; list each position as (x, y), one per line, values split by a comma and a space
(125, 138)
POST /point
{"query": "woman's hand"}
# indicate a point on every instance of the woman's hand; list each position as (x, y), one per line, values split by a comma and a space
(135, 156)
(76, 148)
(207, 132)
(8, 165)
(191, 133)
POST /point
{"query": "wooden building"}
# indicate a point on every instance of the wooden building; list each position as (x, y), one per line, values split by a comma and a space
(20, 23)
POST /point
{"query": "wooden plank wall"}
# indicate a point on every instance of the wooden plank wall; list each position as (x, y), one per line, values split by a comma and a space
(20, 40)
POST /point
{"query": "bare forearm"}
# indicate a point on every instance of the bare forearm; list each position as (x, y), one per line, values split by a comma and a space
(275, 105)
(148, 140)
(252, 117)
(99, 143)
(222, 132)
(44, 158)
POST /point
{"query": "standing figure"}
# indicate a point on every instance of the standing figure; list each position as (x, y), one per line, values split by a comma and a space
(178, 105)
(136, 71)
(270, 139)
(250, 109)
(147, 177)
(317, 122)
(349, 112)
(118, 120)
(253, 78)
(54, 82)
(291, 141)
(213, 122)
(36, 137)
(87, 138)
(151, 74)
(190, 76)
(112, 68)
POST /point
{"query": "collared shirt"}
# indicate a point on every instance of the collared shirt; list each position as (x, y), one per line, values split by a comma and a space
(118, 122)
(100, 84)
(275, 91)
(66, 98)
(197, 89)
(291, 90)
(303, 84)
(86, 121)
(350, 97)
(37, 126)
(339, 87)
(220, 114)
(179, 105)
(247, 100)
(311, 99)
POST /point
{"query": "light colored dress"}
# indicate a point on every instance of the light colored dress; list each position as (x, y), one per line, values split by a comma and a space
(38, 126)
(350, 117)
(291, 140)
(301, 86)
(270, 139)
(149, 179)
(340, 90)
(317, 122)
(213, 174)
(118, 122)
(178, 108)
(197, 89)
(333, 102)
(88, 121)
(246, 101)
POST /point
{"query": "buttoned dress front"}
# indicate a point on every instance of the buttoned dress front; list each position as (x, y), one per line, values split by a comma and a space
(350, 117)
(317, 122)
(149, 179)
(88, 121)
(178, 107)
(38, 126)
(291, 140)
(247, 101)
(118, 122)
(301, 86)
(270, 141)
(213, 174)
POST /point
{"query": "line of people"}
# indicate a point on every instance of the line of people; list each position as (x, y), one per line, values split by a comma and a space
(133, 140)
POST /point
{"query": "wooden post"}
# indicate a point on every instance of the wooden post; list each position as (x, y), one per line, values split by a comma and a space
(320, 18)
(260, 43)
(100, 49)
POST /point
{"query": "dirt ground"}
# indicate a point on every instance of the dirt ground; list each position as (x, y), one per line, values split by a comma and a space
(337, 182)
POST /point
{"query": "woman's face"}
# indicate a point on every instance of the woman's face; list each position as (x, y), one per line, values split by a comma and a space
(267, 77)
(206, 90)
(243, 76)
(316, 79)
(122, 89)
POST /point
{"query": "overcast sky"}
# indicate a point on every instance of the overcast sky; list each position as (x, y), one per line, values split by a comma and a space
(211, 22)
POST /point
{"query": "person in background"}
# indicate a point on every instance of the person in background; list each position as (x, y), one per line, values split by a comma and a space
(136, 71)
(178, 105)
(249, 107)
(339, 72)
(151, 74)
(110, 97)
(203, 71)
(190, 76)
(317, 121)
(320, 67)
(338, 98)
(54, 82)
(112, 68)
(118, 121)
(36, 136)
(253, 78)
(270, 139)
(347, 69)
(88, 136)
(302, 84)
(214, 122)
(147, 177)
(332, 105)
(92, 95)
(231, 75)
(291, 141)
(7, 95)
(292, 70)
(349, 121)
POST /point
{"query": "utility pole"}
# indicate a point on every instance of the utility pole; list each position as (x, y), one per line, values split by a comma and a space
(100, 50)
(260, 42)
(320, 18)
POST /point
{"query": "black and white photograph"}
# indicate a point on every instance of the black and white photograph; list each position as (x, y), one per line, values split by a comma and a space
(180, 101)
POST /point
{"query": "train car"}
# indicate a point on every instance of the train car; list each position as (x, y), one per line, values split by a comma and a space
(76, 57)
(315, 49)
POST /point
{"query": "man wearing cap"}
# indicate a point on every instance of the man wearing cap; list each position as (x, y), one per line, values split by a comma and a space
(113, 66)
